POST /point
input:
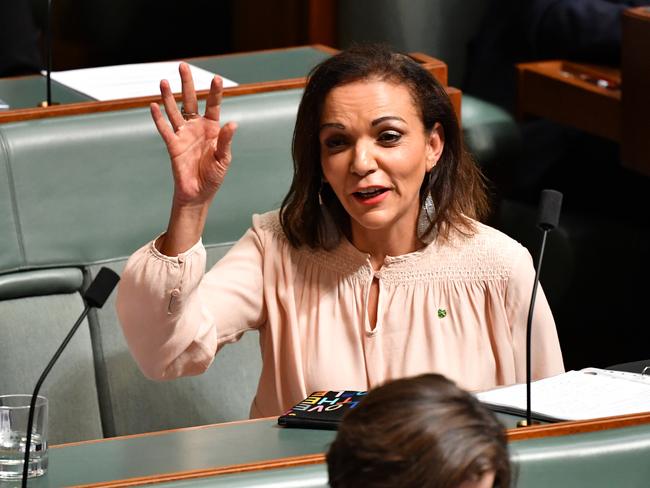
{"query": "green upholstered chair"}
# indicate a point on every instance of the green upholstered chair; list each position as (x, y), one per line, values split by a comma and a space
(37, 309)
(603, 459)
(87, 191)
(131, 403)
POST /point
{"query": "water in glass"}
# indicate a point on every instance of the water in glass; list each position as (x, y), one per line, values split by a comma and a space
(12, 453)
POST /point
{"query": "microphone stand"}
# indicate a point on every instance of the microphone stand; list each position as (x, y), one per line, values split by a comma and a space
(32, 404)
(95, 296)
(529, 334)
(549, 216)
(48, 55)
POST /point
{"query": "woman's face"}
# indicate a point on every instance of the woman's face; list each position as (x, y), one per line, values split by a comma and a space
(375, 153)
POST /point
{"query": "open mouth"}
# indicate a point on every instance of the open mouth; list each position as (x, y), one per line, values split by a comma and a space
(369, 193)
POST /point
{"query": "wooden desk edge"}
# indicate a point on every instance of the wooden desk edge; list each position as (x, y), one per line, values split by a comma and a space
(289, 462)
(94, 106)
(577, 427)
(546, 89)
(435, 66)
(553, 69)
(513, 435)
(642, 12)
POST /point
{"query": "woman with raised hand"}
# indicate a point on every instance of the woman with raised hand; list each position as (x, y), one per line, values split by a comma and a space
(375, 267)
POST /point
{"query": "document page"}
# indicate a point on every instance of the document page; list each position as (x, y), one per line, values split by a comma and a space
(576, 395)
(131, 80)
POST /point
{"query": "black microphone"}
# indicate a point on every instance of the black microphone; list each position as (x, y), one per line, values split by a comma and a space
(548, 218)
(95, 296)
(48, 57)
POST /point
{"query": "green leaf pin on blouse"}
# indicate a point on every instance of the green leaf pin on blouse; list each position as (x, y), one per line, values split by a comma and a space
(442, 313)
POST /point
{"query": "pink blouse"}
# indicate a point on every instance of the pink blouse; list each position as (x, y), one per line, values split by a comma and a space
(458, 308)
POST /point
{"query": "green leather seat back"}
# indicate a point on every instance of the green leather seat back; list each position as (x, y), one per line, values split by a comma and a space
(96, 187)
(605, 459)
(10, 250)
(490, 133)
(86, 190)
(37, 309)
(133, 404)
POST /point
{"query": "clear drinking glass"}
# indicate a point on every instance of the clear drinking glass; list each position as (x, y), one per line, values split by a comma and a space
(14, 413)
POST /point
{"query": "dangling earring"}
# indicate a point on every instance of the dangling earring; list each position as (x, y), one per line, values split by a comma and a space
(328, 232)
(427, 214)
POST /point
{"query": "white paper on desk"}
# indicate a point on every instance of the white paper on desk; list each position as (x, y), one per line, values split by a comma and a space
(577, 395)
(131, 80)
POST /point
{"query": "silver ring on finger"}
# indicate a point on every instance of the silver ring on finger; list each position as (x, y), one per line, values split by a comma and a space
(188, 115)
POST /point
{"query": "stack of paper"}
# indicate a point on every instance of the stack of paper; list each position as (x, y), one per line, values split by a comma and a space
(131, 80)
(575, 395)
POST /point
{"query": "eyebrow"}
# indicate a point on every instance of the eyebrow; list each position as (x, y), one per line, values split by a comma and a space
(388, 117)
(337, 125)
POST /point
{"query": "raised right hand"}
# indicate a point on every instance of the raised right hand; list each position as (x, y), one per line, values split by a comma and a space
(198, 146)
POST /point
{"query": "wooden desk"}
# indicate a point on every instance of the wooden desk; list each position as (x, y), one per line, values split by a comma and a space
(609, 102)
(202, 456)
(560, 91)
(258, 71)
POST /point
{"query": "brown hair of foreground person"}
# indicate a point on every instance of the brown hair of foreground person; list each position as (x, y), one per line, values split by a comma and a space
(418, 432)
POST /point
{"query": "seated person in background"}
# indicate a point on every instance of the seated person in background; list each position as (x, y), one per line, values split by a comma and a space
(554, 155)
(421, 432)
(374, 268)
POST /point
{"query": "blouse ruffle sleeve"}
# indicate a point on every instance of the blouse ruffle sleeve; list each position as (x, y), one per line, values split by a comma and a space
(546, 356)
(175, 316)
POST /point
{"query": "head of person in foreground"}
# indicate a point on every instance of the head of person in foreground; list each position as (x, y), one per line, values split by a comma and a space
(422, 432)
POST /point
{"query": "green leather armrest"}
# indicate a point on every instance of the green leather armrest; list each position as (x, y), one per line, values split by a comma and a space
(40, 282)
(491, 134)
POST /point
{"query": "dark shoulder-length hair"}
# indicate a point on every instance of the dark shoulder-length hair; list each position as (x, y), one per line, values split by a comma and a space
(455, 183)
(422, 432)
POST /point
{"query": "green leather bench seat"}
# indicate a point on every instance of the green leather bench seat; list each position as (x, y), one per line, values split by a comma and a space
(86, 191)
(490, 133)
(37, 309)
(95, 187)
(606, 459)
(133, 404)
(600, 459)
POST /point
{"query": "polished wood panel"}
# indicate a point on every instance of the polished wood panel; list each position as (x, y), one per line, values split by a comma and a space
(609, 102)
(205, 473)
(570, 94)
(635, 150)
(434, 66)
(513, 435)
(321, 22)
(138, 102)
(577, 427)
